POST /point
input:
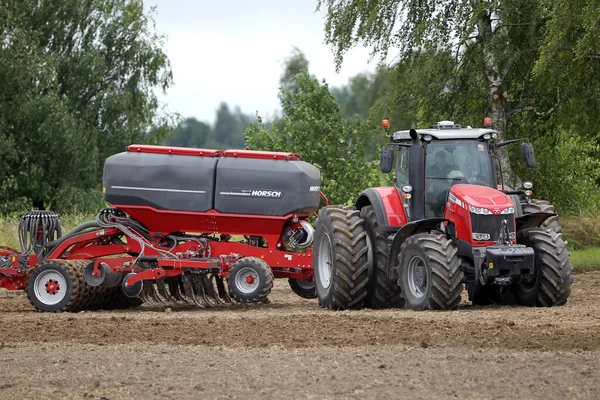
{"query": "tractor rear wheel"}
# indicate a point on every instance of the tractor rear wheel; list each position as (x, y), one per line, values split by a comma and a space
(535, 206)
(430, 273)
(58, 285)
(382, 292)
(250, 280)
(340, 258)
(303, 288)
(551, 283)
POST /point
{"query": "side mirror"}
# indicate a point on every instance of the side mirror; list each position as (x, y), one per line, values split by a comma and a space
(386, 163)
(528, 154)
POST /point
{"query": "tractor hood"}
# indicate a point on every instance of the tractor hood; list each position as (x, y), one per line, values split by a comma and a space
(481, 197)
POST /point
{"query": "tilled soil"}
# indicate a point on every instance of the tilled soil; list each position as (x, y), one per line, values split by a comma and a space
(291, 348)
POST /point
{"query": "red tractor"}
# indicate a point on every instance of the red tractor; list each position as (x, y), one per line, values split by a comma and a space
(446, 222)
(201, 226)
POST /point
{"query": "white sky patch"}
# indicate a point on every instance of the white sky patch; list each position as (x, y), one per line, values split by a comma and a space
(233, 51)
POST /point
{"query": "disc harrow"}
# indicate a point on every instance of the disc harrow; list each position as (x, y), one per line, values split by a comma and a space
(198, 290)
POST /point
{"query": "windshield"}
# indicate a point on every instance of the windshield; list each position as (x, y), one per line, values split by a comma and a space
(454, 161)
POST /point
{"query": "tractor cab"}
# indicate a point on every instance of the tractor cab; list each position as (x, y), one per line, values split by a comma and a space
(430, 161)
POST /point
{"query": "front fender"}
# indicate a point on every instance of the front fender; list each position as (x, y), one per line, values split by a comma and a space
(533, 220)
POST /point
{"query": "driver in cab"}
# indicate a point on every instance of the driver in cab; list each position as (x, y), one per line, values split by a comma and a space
(441, 168)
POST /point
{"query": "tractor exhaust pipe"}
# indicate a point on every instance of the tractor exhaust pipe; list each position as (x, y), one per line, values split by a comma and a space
(107, 277)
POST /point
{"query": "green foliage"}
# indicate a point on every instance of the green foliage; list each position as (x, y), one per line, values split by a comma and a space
(78, 82)
(567, 171)
(530, 65)
(312, 126)
(227, 133)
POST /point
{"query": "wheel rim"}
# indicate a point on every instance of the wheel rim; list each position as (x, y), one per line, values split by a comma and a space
(247, 280)
(50, 287)
(325, 261)
(417, 277)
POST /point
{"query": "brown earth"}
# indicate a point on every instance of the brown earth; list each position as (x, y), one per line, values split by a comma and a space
(291, 348)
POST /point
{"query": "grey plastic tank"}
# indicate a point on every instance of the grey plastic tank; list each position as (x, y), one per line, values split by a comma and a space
(161, 181)
(197, 180)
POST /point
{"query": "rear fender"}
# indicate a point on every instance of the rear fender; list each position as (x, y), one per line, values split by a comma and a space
(412, 228)
(387, 205)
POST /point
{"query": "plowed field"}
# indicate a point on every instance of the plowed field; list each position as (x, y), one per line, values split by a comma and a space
(291, 348)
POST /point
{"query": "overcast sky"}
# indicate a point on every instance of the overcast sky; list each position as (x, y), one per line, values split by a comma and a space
(233, 50)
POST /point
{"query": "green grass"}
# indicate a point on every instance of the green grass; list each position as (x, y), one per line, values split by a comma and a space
(586, 259)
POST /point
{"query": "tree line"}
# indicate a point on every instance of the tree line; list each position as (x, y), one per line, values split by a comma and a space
(78, 83)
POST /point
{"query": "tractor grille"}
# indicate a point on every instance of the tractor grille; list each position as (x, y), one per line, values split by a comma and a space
(492, 224)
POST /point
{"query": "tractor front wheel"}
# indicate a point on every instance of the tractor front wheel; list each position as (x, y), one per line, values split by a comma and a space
(340, 259)
(551, 283)
(250, 280)
(429, 271)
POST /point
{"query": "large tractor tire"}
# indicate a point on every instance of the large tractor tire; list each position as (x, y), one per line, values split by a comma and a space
(303, 288)
(340, 259)
(535, 206)
(551, 283)
(382, 292)
(429, 272)
(59, 285)
(250, 280)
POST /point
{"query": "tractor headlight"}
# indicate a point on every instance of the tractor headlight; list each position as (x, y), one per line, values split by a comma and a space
(487, 136)
(494, 135)
(407, 188)
(427, 138)
(527, 185)
(512, 235)
(479, 210)
(508, 210)
(481, 236)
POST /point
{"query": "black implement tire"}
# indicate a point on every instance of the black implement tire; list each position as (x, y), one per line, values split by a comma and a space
(552, 279)
(115, 299)
(429, 272)
(303, 288)
(382, 292)
(58, 285)
(250, 280)
(340, 258)
(535, 206)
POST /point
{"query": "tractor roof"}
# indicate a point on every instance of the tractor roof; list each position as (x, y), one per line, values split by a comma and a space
(445, 130)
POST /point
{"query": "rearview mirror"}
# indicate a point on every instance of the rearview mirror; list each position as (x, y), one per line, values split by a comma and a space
(528, 154)
(386, 163)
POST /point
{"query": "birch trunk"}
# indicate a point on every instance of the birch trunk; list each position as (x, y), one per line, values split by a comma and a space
(497, 107)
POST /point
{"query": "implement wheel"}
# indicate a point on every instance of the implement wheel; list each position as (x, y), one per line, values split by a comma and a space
(250, 280)
(551, 283)
(382, 292)
(429, 271)
(303, 288)
(340, 259)
(58, 285)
